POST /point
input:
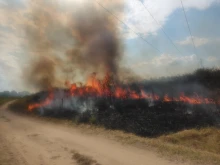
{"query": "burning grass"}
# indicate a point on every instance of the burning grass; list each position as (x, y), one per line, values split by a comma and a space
(133, 116)
(127, 107)
(148, 109)
(176, 122)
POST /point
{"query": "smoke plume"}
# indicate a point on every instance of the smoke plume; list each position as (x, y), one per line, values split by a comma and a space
(70, 44)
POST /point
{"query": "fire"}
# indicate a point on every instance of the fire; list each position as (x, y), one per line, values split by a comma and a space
(190, 100)
(47, 101)
(106, 88)
(167, 98)
(195, 100)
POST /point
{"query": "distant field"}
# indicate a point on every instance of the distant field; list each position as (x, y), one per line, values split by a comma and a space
(4, 100)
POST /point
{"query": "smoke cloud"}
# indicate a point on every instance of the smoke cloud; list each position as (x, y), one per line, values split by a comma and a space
(70, 44)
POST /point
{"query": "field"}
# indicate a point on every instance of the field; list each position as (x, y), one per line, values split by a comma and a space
(190, 136)
(4, 100)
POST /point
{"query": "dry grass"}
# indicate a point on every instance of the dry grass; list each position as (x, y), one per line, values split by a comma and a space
(197, 146)
(184, 153)
(206, 139)
(83, 160)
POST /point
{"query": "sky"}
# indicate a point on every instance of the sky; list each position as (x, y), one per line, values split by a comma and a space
(155, 35)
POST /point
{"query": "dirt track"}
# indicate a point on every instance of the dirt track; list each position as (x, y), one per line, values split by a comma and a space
(28, 141)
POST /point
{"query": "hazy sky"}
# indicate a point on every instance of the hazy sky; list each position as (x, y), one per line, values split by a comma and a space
(142, 57)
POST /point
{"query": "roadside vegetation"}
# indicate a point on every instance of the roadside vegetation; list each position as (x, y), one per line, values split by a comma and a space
(4, 100)
(21, 105)
(199, 146)
(205, 139)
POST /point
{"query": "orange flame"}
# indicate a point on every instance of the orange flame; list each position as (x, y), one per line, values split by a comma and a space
(105, 88)
(47, 101)
(167, 98)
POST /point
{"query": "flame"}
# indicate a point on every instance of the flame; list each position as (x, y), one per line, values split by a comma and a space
(149, 96)
(196, 99)
(47, 101)
(100, 88)
(106, 88)
(167, 98)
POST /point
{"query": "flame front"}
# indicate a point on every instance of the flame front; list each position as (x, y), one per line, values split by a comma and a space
(106, 88)
(47, 101)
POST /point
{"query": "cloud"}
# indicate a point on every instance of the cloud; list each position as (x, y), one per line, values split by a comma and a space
(10, 72)
(212, 58)
(13, 3)
(166, 65)
(170, 65)
(199, 41)
(167, 60)
(3, 3)
(139, 19)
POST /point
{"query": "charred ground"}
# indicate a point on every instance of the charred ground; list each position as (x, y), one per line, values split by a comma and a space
(138, 116)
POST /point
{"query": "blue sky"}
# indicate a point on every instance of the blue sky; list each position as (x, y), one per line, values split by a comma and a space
(204, 21)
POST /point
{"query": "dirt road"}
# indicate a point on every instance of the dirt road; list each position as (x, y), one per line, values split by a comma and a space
(28, 141)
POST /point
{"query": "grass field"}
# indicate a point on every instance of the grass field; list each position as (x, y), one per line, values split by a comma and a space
(4, 100)
(198, 145)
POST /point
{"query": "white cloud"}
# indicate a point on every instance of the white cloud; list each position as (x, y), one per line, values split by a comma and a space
(2, 3)
(199, 41)
(138, 18)
(166, 60)
(212, 59)
(10, 71)
(166, 65)
(170, 65)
